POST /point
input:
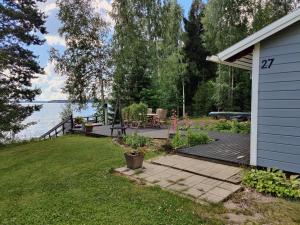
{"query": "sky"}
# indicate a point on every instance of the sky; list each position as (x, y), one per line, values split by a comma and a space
(51, 83)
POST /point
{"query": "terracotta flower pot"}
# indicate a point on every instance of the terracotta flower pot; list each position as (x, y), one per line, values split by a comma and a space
(134, 160)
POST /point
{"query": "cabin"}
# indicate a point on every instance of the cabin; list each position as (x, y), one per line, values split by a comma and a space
(272, 55)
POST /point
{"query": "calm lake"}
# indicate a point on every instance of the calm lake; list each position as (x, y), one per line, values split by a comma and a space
(48, 117)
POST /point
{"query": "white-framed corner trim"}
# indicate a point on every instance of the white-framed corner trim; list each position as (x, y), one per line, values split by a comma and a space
(254, 105)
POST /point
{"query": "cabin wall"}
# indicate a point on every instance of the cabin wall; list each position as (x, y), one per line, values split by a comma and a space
(278, 125)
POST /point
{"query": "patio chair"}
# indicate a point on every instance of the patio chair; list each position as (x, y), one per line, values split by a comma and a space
(149, 111)
(161, 116)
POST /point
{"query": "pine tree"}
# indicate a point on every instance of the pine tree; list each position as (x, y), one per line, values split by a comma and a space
(85, 61)
(20, 22)
(199, 70)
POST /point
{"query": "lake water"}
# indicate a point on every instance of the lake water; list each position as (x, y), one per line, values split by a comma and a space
(47, 118)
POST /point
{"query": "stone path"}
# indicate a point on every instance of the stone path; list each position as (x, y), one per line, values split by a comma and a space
(208, 169)
(199, 187)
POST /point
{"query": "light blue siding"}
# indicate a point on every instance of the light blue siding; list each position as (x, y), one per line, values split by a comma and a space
(279, 101)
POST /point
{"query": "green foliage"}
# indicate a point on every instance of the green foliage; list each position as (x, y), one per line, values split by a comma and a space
(197, 138)
(79, 120)
(199, 70)
(66, 112)
(203, 101)
(135, 112)
(179, 141)
(231, 126)
(85, 61)
(21, 27)
(273, 182)
(136, 141)
(192, 138)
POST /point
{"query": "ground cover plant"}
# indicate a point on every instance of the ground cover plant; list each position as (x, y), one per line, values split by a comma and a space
(273, 182)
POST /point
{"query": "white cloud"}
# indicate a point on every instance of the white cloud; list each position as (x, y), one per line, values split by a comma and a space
(50, 83)
(48, 7)
(55, 40)
(104, 7)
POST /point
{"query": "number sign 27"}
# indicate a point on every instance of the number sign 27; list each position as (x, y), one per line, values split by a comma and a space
(267, 63)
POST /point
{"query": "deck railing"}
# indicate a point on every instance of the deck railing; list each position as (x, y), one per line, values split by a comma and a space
(61, 128)
(67, 126)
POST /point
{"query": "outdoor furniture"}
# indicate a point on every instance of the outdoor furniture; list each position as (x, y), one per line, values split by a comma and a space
(118, 128)
(149, 111)
(161, 117)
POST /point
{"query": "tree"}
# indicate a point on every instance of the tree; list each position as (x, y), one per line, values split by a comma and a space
(171, 67)
(266, 12)
(20, 22)
(199, 70)
(134, 48)
(85, 61)
(227, 22)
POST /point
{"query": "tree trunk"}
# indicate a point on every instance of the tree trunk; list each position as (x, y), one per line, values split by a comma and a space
(183, 99)
(103, 101)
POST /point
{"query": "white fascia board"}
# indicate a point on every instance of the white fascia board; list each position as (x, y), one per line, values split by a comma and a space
(216, 59)
(254, 105)
(260, 35)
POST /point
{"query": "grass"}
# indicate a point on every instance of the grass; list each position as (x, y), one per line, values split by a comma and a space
(69, 181)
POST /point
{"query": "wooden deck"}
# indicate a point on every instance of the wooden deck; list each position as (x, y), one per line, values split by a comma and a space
(104, 131)
(232, 148)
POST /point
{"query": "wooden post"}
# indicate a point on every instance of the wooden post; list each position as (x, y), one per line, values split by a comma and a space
(63, 128)
(72, 122)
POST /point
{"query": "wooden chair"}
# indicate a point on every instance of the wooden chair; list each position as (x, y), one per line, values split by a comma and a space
(149, 111)
(161, 116)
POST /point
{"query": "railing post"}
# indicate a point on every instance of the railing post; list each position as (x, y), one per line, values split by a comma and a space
(72, 122)
(63, 128)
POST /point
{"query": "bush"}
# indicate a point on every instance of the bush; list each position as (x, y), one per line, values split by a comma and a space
(191, 139)
(135, 112)
(136, 141)
(273, 182)
(231, 126)
(79, 120)
(197, 138)
(179, 141)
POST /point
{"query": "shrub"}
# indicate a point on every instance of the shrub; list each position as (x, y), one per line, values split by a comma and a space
(273, 182)
(179, 141)
(231, 126)
(79, 120)
(136, 141)
(191, 139)
(197, 138)
(135, 112)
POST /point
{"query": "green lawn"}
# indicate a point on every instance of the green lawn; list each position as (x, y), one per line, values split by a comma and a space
(69, 181)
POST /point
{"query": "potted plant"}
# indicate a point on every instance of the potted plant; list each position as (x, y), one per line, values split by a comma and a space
(78, 122)
(134, 159)
(88, 127)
